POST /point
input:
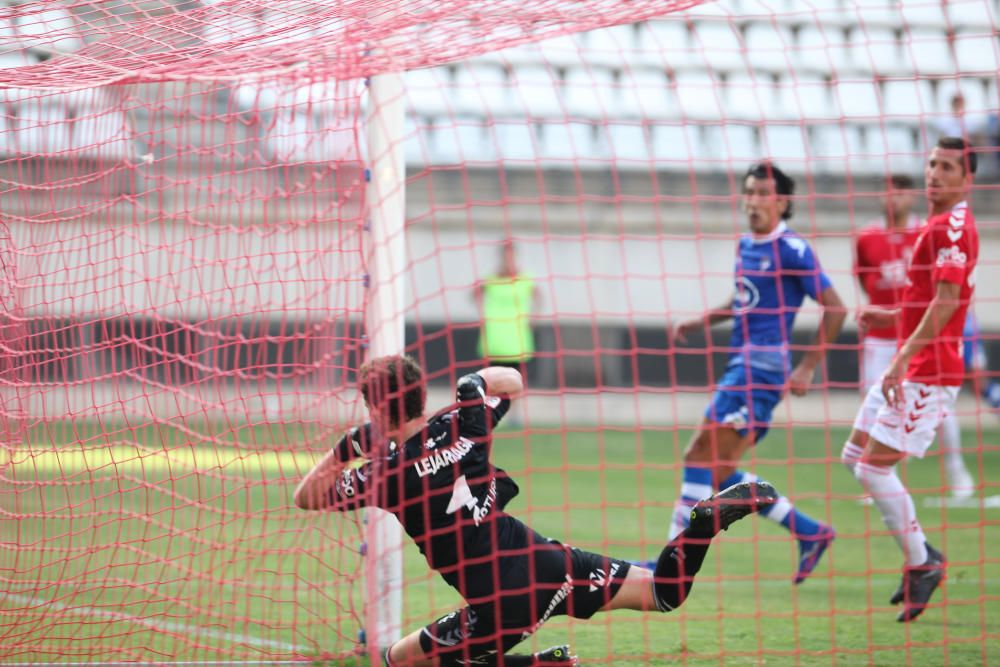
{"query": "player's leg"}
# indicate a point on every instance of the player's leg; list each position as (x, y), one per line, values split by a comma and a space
(960, 480)
(668, 585)
(814, 537)
(876, 355)
(713, 453)
(468, 636)
(899, 432)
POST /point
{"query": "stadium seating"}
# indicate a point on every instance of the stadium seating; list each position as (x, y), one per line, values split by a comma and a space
(977, 51)
(758, 65)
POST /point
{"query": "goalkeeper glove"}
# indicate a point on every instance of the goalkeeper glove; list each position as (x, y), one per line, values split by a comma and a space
(470, 392)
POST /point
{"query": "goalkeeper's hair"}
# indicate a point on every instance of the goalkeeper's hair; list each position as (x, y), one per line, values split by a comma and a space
(395, 386)
(783, 183)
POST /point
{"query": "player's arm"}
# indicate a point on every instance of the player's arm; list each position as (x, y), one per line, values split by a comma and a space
(503, 381)
(877, 317)
(863, 271)
(706, 321)
(947, 298)
(330, 485)
(483, 398)
(830, 324)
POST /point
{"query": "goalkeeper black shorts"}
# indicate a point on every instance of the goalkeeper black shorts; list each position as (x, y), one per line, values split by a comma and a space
(549, 579)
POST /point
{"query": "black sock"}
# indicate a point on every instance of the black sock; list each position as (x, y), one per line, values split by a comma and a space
(679, 561)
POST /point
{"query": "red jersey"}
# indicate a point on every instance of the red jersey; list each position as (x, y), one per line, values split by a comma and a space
(946, 251)
(881, 259)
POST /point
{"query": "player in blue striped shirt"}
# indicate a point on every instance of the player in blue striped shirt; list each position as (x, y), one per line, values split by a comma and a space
(775, 271)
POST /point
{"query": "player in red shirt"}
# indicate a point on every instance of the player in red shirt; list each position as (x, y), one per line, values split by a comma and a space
(920, 385)
(881, 256)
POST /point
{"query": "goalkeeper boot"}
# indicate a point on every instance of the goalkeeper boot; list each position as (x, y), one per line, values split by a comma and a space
(920, 582)
(557, 655)
(932, 554)
(811, 549)
(715, 514)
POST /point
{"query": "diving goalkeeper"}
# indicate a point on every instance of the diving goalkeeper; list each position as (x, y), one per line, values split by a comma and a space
(435, 476)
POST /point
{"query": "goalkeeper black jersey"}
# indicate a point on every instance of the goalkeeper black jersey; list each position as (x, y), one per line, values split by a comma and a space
(447, 495)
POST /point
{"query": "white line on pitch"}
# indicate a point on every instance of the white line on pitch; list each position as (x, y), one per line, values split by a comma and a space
(974, 503)
(181, 663)
(169, 626)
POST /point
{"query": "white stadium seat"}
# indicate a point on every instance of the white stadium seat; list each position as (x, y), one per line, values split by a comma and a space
(257, 96)
(977, 52)
(100, 128)
(590, 93)
(768, 47)
(646, 93)
(515, 139)
(667, 43)
(461, 140)
(428, 91)
(718, 45)
(40, 128)
(876, 50)
(908, 99)
(537, 91)
(481, 88)
(922, 14)
(896, 143)
(612, 46)
(820, 50)
(698, 95)
(732, 143)
(50, 29)
(873, 13)
(804, 97)
(838, 147)
(927, 52)
(976, 15)
(675, 144)
(86, 124)
(750, 98)
(785, 144)
(563, 51)
(629, 143)
(858, 99)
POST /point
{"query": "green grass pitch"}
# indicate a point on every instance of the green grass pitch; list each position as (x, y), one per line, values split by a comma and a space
(161, 544)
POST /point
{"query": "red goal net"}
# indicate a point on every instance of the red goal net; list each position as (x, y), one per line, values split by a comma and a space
(190, 279)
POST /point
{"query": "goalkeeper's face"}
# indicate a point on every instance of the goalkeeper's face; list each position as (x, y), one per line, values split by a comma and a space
(762, 204)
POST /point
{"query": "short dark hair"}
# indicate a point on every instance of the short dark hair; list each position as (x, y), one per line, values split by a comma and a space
(395, 385)
(901, 182)
(969, 158)
(783, 183)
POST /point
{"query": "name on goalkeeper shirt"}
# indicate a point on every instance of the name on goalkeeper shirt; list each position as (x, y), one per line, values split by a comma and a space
(446, 457)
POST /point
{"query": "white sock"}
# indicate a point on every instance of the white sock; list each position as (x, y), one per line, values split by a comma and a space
(896, 507)
(691, 493)
(850, 455)
(949, 434)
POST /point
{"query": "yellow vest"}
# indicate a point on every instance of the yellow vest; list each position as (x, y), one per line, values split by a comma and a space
(506, 332)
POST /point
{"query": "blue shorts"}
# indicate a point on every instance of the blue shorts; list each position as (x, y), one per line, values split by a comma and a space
(973, 352)
(742, 404)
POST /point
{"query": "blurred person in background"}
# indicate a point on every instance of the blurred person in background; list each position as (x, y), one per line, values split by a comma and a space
(507, 301)
(775, 270)
(882, 253)
(899, 417)
(960, 123)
